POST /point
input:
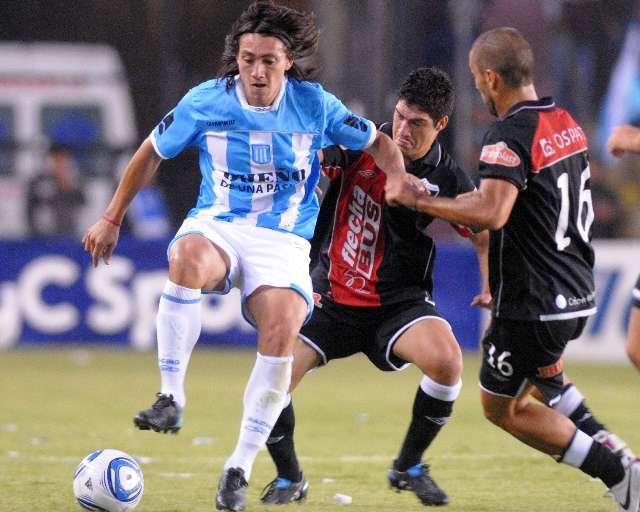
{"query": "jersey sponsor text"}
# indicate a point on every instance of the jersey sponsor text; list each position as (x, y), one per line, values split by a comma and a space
(359, 247)
(558, 136)
(500, 154)
(263, 182)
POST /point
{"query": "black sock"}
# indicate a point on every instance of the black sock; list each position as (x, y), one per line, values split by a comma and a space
(429, 415)
(583, 418)
(281, 447)
(601, 463)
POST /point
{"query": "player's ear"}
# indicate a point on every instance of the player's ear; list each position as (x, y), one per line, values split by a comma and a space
(442, 123)
(289, 62)
(492, 78)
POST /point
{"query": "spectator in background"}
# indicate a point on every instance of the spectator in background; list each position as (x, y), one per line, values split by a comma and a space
(607, 205)
(588, 36)
(148, 213)
(621, 104)
(55, 195)
(627, 138)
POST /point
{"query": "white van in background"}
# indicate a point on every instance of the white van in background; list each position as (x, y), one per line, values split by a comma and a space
(71, 94)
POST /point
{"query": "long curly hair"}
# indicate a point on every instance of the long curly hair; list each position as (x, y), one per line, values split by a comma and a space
(295, 29)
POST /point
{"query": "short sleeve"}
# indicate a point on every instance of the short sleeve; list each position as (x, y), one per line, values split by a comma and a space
(464, 183)
(344, 127)
(176, 131)
(504, 158)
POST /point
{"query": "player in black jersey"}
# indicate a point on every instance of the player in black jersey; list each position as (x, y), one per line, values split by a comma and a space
(622, 139)
(373, 286)
(534, 197)
(633, 333)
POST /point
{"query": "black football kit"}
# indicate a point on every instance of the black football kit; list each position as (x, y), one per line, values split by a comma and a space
(541, 261)
(373, 279)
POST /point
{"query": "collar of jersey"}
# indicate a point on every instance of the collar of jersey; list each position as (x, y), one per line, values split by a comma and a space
(541, 104)
(433, 157)
(245, 105)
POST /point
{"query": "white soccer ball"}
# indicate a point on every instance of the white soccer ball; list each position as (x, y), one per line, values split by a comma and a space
(108, 481)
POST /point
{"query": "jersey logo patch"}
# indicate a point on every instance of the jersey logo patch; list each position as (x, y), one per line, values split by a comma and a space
(359, 247)
(261, 153)
(356, 122)
(500, 154)
(547, 148)
(433, 189)
(165, 123)
(367, 173)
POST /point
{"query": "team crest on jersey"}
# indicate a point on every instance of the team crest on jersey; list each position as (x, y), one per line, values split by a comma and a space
(260, 153)
(367, 173)
(433, 189)
(499, 154)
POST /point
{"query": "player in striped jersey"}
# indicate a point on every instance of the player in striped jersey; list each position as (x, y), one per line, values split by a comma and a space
(258, 127)
(534, 197)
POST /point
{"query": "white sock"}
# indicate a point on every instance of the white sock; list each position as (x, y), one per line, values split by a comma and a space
(264, 399)
(570, 400)
(577, 450)
(440, 391)
(178, 324)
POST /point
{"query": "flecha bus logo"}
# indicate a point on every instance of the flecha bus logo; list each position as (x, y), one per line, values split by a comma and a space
(363, 228)
(499, 154)
(367, 173)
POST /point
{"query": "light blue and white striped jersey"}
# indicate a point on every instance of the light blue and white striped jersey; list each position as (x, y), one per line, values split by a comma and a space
(259, 164)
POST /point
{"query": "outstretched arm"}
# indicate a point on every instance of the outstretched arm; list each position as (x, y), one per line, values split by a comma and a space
(480, 243)
(101, 238)
(488, 207)
(624, 138)
(389, 158)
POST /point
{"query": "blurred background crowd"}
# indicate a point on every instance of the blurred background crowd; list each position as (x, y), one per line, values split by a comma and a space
(83, 82)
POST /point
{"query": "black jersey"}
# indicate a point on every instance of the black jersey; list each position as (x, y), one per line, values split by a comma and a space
(372, 254)
(541, 261)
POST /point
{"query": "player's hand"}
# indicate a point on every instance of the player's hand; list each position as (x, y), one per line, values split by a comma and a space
(100, 241)
(623, 138)
(483, 300)
(405, 191)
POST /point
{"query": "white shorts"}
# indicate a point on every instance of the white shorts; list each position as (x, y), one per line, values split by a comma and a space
(258, 257)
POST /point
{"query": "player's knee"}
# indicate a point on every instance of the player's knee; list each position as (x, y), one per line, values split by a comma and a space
(443, 365)
(192, 260)
(278, 337)
(633, 352)
(186, 268)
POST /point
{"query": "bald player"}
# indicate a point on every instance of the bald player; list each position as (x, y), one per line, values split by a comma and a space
(534, 197)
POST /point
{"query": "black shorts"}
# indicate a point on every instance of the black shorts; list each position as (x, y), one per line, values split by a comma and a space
(515, 352)
(335, 331)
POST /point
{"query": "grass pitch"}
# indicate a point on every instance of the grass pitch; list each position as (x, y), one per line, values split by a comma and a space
(59, 405)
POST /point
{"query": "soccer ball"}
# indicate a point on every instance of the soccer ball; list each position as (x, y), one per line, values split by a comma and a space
(108, 481)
